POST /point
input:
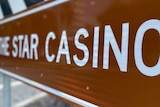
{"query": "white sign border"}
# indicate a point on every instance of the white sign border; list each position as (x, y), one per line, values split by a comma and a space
(49, 89)
(32, 11)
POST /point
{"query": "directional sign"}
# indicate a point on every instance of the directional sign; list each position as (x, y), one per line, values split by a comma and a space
(90, 52)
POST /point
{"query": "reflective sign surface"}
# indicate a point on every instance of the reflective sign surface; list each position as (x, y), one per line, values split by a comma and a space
(102, 52)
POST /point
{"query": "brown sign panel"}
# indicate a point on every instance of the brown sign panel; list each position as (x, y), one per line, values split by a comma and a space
(93, 52)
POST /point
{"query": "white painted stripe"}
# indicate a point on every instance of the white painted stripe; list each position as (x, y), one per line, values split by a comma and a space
(1, 13)
(31, 100)
(35, 10)
(17, 5)
(49, 89)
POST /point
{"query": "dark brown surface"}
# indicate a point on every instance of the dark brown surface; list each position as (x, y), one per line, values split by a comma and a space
(106, 88)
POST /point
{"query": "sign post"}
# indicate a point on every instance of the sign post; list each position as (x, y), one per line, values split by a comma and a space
(6, 91)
